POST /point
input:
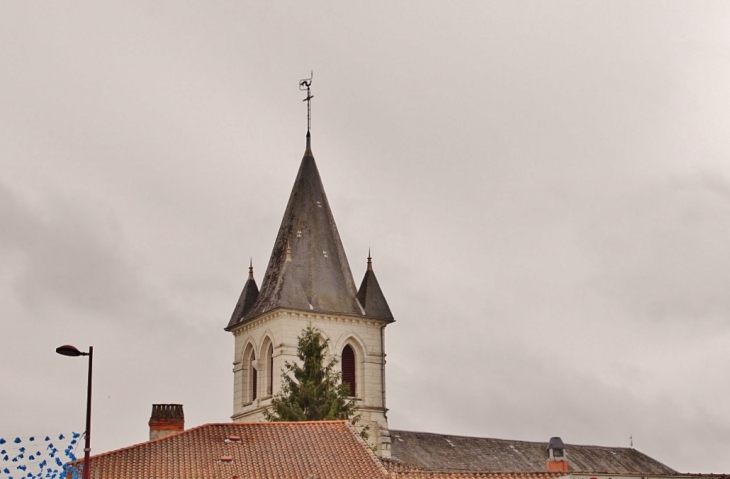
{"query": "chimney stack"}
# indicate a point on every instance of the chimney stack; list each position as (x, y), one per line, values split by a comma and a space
(166, 419)
(557, 456)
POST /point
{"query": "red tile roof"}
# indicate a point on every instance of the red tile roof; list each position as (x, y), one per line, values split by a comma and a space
(296, 450)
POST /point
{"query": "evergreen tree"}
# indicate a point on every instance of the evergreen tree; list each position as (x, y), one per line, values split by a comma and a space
(313, 391)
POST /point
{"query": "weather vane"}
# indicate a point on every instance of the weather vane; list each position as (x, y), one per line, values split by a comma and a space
(306, 84)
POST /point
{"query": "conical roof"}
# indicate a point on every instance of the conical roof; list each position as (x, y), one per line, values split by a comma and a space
(371, 296)
(246, 300)
(317, 276)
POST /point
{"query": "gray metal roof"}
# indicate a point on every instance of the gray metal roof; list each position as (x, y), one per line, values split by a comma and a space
(442, 452)
(315, 276)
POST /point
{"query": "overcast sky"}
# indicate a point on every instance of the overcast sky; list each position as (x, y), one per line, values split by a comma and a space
(545, 187)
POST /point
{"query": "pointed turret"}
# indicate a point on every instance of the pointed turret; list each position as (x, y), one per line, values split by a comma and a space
(371, 296)
(308, 269)
(246, 301)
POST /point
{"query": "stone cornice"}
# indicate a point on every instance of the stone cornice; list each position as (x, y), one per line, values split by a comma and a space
(256, 322)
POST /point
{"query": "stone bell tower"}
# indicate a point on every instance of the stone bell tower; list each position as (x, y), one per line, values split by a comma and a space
(308, 279)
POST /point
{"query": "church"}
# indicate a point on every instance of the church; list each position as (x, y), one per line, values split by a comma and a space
(308, 281)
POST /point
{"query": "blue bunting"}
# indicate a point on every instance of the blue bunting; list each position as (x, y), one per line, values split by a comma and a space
(47, 462)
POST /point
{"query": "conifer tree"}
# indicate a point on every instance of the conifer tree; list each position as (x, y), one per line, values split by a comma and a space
(313, 390)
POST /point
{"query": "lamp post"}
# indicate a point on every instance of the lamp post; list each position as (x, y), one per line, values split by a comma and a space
(68, 350)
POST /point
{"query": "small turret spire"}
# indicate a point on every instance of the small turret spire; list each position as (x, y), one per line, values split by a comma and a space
(370, 261)
(250, 268)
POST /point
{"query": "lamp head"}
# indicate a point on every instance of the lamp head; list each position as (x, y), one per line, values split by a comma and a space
(68, 350)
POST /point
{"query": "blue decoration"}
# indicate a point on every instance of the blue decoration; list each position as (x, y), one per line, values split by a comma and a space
(47, 463)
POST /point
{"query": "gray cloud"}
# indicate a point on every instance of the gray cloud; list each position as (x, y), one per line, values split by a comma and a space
(663, 250)
(57, 255)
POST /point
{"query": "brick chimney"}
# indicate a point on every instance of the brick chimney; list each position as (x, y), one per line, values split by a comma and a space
(557, 456)
(166, 419)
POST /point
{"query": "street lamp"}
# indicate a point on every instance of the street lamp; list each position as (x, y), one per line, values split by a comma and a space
(68, 350)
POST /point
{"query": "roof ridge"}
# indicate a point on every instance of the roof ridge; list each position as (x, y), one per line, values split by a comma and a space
(395, 431)
(472, 437)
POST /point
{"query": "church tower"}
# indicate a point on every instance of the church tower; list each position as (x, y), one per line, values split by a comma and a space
(308, 279)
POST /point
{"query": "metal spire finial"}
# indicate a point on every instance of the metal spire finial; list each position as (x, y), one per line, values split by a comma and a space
(250, 268)
(370, 261)
(306, 85)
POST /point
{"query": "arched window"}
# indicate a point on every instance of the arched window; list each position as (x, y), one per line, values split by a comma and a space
(254, 377)
(270, 367)
(348, 369)
(251, 376)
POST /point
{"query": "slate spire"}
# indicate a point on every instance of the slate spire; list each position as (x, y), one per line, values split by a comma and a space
(308, 268)
(248, 298)
(371, 296)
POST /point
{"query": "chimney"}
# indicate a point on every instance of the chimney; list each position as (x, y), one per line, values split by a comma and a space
(166, 419)
(557, 456)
